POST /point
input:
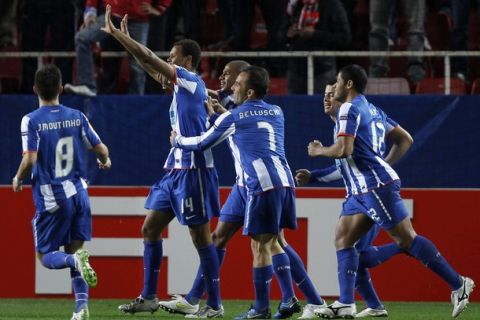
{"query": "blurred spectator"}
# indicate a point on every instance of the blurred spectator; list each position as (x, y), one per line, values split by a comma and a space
(138, 15)
(381, 12)
(40, 18)
(460, 30)
(156, 39)
(8, 15)
(243, 14)
(315, 25)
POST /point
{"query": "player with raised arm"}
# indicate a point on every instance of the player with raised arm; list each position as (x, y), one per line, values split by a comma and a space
(232, 216)
(369, 256)
(54, 140)
(257, 131)
(189, 189)
(373, 196)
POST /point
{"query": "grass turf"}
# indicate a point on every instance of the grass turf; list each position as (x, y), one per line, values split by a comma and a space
(53, 309)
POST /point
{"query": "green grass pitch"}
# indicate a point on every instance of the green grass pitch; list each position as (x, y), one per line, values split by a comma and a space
(53, 309)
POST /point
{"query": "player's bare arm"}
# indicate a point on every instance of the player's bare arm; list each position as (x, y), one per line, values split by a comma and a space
(342, 148)
(155, 66)
(28, 161)
(401, 141)
(103, 158)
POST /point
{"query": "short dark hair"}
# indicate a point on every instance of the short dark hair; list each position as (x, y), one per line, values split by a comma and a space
(48, 80)
(357, 74)
(258, 80)
(190, 48)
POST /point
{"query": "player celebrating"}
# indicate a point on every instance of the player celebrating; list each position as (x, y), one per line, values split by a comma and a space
(232, 216)
(257, 129)
(189, 190)
(373, 195)
(368, 256)
(54, 139)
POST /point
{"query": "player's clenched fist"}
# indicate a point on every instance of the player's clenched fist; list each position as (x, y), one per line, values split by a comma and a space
(315, 148)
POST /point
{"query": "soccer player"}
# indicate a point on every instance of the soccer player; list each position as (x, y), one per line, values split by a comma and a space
(369, 256)
(232, 216)
(189, 189)
(257, 131)
(54, 139)
(373, 196)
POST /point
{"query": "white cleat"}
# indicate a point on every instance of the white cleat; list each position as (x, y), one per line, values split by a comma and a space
(83, 266)
(80, 90)
(207, 312)
(308, 310)
(460, 296)
(369, 312)
(337, 310)
(179, 304)
(81, 315)
(140, 305)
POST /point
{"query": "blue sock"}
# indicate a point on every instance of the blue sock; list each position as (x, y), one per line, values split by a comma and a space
(261, 280)
(152, 258)
(425, 251)
(210, 267)
(58, 260)
(375, 255)
(347, 269)
(198, 287)
(281, 267)
(366, 290)
(301, 277)
(80, 289)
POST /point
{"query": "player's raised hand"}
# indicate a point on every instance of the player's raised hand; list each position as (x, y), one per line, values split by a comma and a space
(124, 25)
(217, 107)
(315, 148)
(173, 134)
(109, 27)
(104, 166)
(302, 177)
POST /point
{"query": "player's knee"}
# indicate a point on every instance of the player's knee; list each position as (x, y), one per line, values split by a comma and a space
(404, 242)
(150, 233)
(219, 240)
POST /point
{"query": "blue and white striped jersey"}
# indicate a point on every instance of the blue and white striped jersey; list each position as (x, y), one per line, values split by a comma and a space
(189, 118)
(257, 130)
(60, 136)
(226, 100)
(365, 169)
(333, 173)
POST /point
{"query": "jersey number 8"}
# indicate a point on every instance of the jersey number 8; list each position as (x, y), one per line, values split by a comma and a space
(64, 157)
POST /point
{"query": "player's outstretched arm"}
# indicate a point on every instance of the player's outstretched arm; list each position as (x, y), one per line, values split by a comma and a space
(222, 128)
(28, 161)
(103, 158)
(401, 141)
(155, 66)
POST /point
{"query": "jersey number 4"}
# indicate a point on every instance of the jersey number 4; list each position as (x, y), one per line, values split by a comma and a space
(63, 157)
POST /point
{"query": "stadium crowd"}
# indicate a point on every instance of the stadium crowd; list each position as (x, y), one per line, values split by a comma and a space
(228, 25)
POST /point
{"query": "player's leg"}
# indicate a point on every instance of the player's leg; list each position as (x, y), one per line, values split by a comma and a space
(303, 281)
(159, 215)
(281, 266)
(350, 228)
(79, 285)
(230, 221)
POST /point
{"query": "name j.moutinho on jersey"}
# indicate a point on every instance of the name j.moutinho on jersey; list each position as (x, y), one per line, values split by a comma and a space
(264, 112)
(56, 125)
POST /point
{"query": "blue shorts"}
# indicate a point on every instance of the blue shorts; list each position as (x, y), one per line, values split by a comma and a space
(191, 194)
(383, 205)
(270, 211)
(367, 240)
(72, 221)
(233, 209)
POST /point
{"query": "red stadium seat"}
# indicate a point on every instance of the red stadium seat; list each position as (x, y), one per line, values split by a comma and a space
(278, 86)
(387, 86)
(437, 86)
(475, 86)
